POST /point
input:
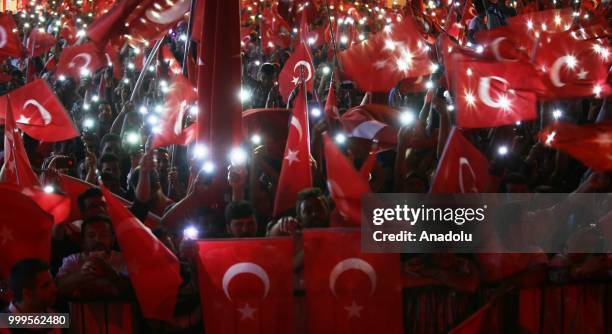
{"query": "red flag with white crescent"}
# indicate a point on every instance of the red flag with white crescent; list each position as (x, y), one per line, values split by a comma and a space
(348, 291)
(181, 96)
(462, 168)
(10, 45)
(298, 65)
(39, 42)
(246, 285)
(81, 60)
(296, 160)
(16, 168)
(39, 113)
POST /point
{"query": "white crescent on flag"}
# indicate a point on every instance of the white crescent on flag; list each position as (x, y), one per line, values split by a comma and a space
(484, 86)
(85, 56)
(44, 113)
(3, 37)
(352, 263)
(168, 16)
(245, 268)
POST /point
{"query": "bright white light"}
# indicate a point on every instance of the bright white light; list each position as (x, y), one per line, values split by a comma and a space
(85, 106)
(256, 139)
(49, 189)
(571, 61)
(193, 110)
(315, 112)
(429, 84)
(85, 72)
(295, 30)
(208, 167)
(340, 138)
(88, 123)
(152, 119)
(238, 156)
(126, 80)
(343, 39)
(183, 37)
(158, 108)
(81, 33)
(244, 95)
(200, 151)
(597, 90)
(151, 68)
(257, 63)
(362, 37)
(504, 102)
(529, 24)
(62, 78)
(469, 72)
(95, 98)
(133, 138)
(143, 110)
(557, 113)
(407, 117)
(502, 150)
(311, 40)
(479, 49)
(470, 99)
(191, 233)
(434, 67)
(326, 70)
(450, 107)
(131, 65)
(518, 123)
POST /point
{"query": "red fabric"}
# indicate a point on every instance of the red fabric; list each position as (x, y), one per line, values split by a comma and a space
(550, 21)
(196, 31)
(112, 57)
(490, 94)
(5, 77)
(290, 76)
(505, 44)
(591, 143)
(331, 109)
(76, 58)
(148, 22)
(22, 235)
(485, 320)
(39, 113)
(16, 168)
(153, 270)
(246, 285)
(348, 291)
(39, 42)
(372, 121)
(369, 163)
(346, 185)
(572, 68)
(51, 64)
(462, 168)
(181, 96)
(296, 159)
(396, 53)
(10, 45)
(112, 23)
(173, 64)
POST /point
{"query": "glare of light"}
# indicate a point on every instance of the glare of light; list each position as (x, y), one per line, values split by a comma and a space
(131, 65)
(256, 139)
(151, 68)
(295, 30)
(257, 63)
(434, 67)
(429, 84)
(85, 72)
(143, 110)
(191, 233)
(529, 24)
(504, 102)
(450, 107)
(518, 123)
(502, 150)
(193, 110)
(158, 108)
(49, 189)
(208, 167)
(238, 156)
(126, 80)
(244, 95)
(407, 117)
(26, 25)
(343, 39)
(270, 44)
(479, 49)
(133, 138)
(95, 98)
(362, 37)
(81, 33)
(469, 98)
(597, 90)
(315, 112)
(62, 78)
(557, 20)
(200, 151)
(389, 44)
(326, 70)
(340, 138)
(575, 14)
(152, 120)
(544, 27)
(557, 113)
(469, 72)
(85, 106)
(183, 37)
(550, 138)
(88, 123)
(602, 51)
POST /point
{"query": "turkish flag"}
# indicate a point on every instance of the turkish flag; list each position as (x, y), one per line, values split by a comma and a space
(39, 42)
(170, 131)
(76, 59)
(10, 45)
(25, 231)
(345, 184)
(153, 270)
(151, 20)
(111, 24)
(505, 44)
(69, 33)
(489, 94)
(39, 113)
(296, 159)
(16, 168)
(373, 122)
(462, 168)
(573, 68)
(246, 285)
(535, 24)
(297, 66)
(331, 109)
(590, 143)
(348, 291)
(396, 53)
(173, 64)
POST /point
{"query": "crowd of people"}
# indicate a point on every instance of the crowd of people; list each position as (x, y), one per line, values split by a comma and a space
(116, 128)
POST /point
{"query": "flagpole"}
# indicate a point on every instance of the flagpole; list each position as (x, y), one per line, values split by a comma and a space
(333, 38)
(150, 57)
(14, 140)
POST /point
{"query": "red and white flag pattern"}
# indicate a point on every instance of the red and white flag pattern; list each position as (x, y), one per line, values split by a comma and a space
(10, 45)
(181, 96)
(81, 60)
(298, 66)
(16, 168)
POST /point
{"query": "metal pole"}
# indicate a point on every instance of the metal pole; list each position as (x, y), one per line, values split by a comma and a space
(189, 32)
(152, 55)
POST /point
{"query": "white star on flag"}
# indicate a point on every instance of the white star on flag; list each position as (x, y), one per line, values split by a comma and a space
(295, 80)
(247, 312)
(354, 310)
(292, 156)
(23, 119)
(582, 74)
(6, 235)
